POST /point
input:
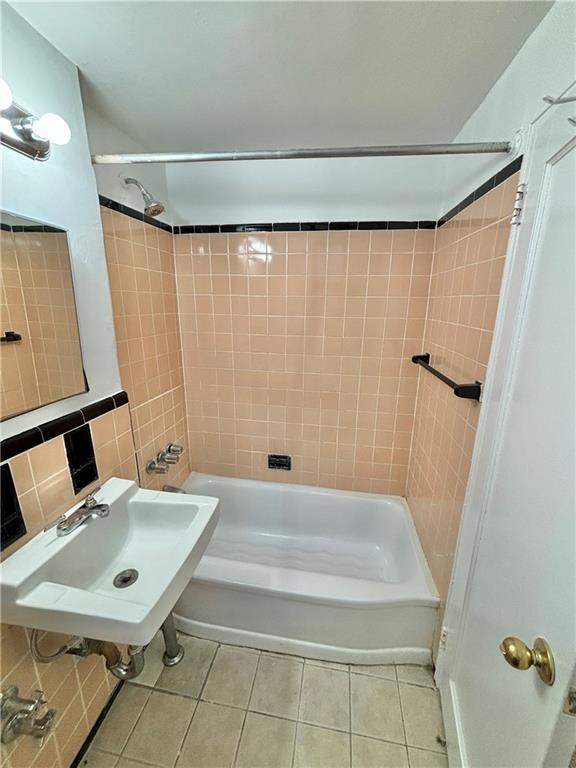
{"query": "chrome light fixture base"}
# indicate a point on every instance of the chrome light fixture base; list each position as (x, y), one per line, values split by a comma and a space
(16, 133)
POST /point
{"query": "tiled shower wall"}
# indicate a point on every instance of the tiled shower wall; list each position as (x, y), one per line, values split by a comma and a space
(77, 688)
(143, 287)
(464, 289)
(300, 343)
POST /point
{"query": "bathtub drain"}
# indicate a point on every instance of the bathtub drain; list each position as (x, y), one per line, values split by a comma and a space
(125, 578)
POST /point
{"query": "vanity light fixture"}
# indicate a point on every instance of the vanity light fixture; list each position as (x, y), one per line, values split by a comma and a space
(27, 134)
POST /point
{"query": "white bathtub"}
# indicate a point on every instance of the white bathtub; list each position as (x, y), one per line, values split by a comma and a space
(332, 575)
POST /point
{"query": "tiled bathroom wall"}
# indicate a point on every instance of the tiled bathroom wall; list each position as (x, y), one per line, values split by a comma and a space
(77, 688)
(38, 303)
(464, 290)
(142, 281)
(300, 343)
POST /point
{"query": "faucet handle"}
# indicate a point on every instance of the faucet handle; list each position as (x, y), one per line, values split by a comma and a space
(154, 467)
(38, 701)
(44, 726)
(19, 715)
(176, 450)
(90, 500)
(167, 458)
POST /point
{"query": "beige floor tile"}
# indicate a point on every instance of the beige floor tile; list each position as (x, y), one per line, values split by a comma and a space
(124, 762)
(385, 671)
(410, 673)
(96, 758)
(277, 687)
(266, 741)
(328, 664)
(421, 758)
(422, 717)
(213, 737)
(160, 731)
(153, 664)
(321, 748)
(371, 753)
(121, 719)
(376, 708)
(245, 648)
(289, 656)
(325, 698)
(189, 675)
(231, 677)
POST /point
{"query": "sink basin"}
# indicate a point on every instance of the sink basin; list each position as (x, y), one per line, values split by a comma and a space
(66, 584)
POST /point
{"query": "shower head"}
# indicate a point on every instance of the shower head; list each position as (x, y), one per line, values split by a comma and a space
(152, 207)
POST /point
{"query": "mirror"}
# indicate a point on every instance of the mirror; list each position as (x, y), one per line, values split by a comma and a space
(40, 353)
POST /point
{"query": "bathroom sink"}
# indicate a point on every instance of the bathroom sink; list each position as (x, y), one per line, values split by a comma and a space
(66, 584)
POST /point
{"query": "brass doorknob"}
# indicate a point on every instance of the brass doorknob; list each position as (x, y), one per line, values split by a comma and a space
(521, 657)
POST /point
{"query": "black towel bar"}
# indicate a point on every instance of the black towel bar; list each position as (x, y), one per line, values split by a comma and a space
(467, 391)
(10, 336)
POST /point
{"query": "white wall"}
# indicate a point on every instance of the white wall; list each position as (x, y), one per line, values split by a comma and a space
(356, 189)
(545, 65)
(61, 192)
(384, 188)
(104, 137)
(350, 189)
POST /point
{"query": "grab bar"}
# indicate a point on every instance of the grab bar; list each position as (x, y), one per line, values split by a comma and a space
(467, 391)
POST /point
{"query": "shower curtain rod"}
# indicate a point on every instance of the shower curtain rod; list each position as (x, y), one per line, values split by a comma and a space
(398, 150)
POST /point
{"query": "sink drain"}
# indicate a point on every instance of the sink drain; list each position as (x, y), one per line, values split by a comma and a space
(125, 578)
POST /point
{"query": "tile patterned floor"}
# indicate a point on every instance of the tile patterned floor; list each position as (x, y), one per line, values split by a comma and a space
(230, 707)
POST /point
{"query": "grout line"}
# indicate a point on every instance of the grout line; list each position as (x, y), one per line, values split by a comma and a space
(246, 710)
(402, 714)
(135, 722)
(203, 686)
(296, 729)
(350, 709)
(196, 707)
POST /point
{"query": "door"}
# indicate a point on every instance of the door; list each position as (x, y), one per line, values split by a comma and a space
(515, 569)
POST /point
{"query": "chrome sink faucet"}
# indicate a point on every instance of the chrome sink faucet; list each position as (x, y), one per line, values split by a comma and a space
(90, 508)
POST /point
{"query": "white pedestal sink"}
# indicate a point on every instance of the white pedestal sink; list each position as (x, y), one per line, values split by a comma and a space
(66, 584)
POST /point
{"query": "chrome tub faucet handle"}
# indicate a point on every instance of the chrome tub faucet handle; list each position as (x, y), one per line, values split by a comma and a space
(20, 716)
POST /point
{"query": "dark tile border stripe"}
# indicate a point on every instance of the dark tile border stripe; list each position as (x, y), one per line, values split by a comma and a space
(94, 410)
(12, 446)
(46, 228)
(106, 202)
(63, 424)
(296, 226)
(318, 226)
(483, 189)
(121, 398)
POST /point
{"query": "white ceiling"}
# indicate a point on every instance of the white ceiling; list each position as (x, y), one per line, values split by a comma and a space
(199, 76)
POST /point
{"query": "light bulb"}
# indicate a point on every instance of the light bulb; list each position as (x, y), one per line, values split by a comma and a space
(5, 95)
(51, 127)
